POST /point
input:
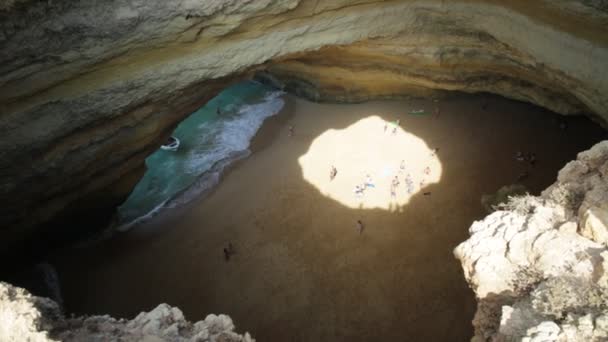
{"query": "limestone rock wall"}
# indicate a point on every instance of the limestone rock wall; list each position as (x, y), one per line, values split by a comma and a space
(539, 266)
(25, 317)
(89, 88)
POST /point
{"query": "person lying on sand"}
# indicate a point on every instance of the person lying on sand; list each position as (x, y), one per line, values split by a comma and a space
(368, 182)
(333, 173)
(358, 191)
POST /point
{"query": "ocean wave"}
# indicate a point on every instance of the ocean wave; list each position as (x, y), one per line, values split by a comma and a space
(176, 178)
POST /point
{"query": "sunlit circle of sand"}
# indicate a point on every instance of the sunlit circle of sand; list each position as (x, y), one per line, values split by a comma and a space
(376, 148)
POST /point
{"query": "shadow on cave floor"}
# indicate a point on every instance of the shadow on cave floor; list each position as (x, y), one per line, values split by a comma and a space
(301, 271)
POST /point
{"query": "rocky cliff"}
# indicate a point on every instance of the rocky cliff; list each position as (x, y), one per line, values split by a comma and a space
(89, 88)
(28, 318)
(539, 265)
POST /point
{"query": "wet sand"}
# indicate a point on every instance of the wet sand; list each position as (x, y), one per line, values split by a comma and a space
(302, 271)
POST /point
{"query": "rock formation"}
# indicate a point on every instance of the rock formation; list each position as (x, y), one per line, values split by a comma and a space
(89, 88)
(28, 318)
(539, 265)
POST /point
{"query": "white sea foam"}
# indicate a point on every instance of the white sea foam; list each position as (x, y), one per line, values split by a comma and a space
(221, 143)
(234, 134)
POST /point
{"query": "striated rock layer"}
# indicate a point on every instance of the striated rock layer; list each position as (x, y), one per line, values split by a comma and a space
(89, 88)
(539, 265)
(28, 318)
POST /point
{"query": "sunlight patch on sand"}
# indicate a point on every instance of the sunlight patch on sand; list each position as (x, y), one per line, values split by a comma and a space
(368, 148)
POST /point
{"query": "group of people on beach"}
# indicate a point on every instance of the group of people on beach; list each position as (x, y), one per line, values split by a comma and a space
(368, 183)
(408, 179)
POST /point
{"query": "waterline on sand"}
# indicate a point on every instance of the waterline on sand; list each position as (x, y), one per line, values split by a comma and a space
(212, 138)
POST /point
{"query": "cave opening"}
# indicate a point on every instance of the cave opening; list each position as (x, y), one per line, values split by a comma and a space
(326, 202)
(301, 269)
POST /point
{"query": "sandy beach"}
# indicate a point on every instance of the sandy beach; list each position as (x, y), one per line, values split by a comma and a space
(302, 271)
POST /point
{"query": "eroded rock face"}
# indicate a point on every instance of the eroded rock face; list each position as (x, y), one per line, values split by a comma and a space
(25, 317)
(89, 88)
(537, 268)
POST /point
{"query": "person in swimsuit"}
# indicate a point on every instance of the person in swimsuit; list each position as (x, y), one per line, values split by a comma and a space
(360, 226)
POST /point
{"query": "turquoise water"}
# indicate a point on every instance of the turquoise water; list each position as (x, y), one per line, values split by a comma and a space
(208, 142)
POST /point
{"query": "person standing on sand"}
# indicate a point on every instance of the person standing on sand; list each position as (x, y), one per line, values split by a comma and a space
(402, 166)
(332, 173)
(409, 183)
(291, 131)
(360, 226)
(228, 251)
(532, 159)
(394, 185)
(434, 152)
(395, 181)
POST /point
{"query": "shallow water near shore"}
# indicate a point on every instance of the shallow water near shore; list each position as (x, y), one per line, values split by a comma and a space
(210, 139)
(302, 271)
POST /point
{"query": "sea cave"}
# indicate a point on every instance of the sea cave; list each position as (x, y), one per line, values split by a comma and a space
(296, 170)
